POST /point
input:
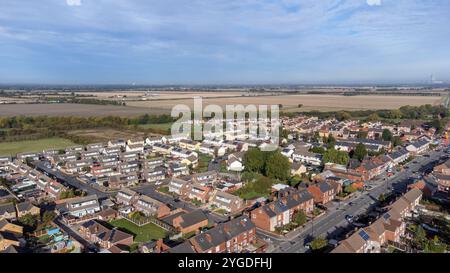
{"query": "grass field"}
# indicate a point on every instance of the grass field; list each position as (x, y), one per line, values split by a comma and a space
(12, 148)
(161, 126)
(141, 234)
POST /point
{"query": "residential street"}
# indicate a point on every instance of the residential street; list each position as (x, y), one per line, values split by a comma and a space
(330, 224)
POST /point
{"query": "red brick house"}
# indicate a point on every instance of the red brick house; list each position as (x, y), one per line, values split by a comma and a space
(322, 192)
(105, 237)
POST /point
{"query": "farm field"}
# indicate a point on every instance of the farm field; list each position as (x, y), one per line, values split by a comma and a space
(71, 109)
(142, 234)
(159, 126)
(12, 148)
(310, 102)
(288, 102)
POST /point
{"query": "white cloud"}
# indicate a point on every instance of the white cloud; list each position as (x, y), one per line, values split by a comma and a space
(73, 2)
(374, 2)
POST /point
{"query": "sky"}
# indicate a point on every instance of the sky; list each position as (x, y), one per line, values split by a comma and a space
(223, 41)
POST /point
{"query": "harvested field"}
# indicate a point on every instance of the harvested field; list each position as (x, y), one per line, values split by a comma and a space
(289, 102)
(68, 109)
(310, 102)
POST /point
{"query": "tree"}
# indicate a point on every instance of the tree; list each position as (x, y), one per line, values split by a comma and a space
(278, 166)
(300, 105)
(386, 135)
(360, 152)
(254, 160)
(28, 220)
(330, 140)
(342, 115)
(318, 243)
(334, 156)
(373, 117)
(262, 185)
(300, 218)
(48, 216)
(349, 189)
(395, 114)
(396, 141)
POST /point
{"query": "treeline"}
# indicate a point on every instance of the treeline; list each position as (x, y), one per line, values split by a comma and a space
(405, 112)
(84, 101)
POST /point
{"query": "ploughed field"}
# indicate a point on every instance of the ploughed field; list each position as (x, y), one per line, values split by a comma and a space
(164, 104)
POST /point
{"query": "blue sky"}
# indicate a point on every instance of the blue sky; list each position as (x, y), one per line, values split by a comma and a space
(223, 41)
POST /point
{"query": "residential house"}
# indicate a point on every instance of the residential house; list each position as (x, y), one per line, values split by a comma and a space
(230, 237)
(322, 192)
(150, 206)
(81, 206)
(187, 222)
(96, 232)
(126, 197)
(226, 201)
(198, 192)
(179, 186)
(418, 147)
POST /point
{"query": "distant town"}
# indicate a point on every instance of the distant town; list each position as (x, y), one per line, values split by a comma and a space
(338, 182)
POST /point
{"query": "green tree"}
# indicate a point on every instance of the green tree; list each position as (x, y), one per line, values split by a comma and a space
(278, 166)
(396, 141)
(48, 216)
(28, 220)
(334, 156)
(318, 244)
(262, 185)
(254, 160)
(360, 152)
(300, 218)
(342, 115)
(373, 117)
(331, 141)
(387, 135)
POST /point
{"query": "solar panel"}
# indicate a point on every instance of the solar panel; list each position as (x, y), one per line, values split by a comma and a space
(386, 216)
(364, 235)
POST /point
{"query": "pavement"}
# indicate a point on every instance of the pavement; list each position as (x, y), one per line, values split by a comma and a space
(333, 223)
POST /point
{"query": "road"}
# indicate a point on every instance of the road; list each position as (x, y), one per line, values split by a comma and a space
(333, 223)
(71, 181)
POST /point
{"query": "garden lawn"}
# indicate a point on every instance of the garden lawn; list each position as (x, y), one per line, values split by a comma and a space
(141, 234)
(13, 148)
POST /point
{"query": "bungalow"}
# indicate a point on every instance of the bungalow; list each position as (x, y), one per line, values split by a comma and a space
(97, 233)
(322, 192)
(79, 207)
(74, 149)
(150, 206)
(65, 158)
(228, 202)
(230, 237)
